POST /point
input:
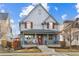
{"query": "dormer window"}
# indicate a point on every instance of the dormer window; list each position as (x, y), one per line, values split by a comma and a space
(28, 25)
(50, 25)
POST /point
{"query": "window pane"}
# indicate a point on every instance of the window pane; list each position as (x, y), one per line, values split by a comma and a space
(50, 37)
(28, 25)
(22, 26)
(51, 25)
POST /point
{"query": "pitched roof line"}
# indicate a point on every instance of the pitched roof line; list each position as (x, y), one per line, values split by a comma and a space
(43, 8)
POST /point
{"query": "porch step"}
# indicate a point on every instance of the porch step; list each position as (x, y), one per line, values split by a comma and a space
(26, 46)
(54, 45)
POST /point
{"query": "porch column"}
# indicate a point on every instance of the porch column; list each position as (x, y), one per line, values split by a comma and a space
(36, 38)
(57, 38)
(47, 39)
(22, 40)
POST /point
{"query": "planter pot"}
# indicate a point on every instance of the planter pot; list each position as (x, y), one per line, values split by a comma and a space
(4, 43)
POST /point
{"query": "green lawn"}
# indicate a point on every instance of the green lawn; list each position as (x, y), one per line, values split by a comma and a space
(31, 50)
(27, 51)
(66, 49)
(23, 50)
(73, 54)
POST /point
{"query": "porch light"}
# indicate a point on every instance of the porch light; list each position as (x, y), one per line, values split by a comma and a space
(44, 23)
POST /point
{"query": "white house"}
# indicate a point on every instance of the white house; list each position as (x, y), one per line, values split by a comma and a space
(39, 27)
(71, 32)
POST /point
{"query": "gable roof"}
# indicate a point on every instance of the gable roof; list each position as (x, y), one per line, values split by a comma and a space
(68, 21)
(43, 8)
(3, 16)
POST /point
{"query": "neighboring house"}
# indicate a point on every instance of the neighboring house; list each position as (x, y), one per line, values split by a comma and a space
(71, 32)
(4, 26)
(39, 27)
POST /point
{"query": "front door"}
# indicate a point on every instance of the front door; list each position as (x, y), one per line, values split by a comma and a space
(40, 39)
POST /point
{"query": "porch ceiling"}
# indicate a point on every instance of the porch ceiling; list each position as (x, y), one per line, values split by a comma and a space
(39, 31)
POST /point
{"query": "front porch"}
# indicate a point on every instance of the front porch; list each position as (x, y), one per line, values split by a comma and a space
(39, 39)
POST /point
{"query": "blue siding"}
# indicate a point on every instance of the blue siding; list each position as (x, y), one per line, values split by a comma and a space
(54, 40)
(22, 39)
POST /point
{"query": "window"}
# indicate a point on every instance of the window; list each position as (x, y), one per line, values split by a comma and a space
(50, 37)
(28, 39)
(47, 25)
(55, 26)
(22, 25)
(25, 24)
(77, 25)
(28, 25)
(51, 25)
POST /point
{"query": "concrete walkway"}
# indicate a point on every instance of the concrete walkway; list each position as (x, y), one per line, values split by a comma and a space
(44, 48)
(49, 51)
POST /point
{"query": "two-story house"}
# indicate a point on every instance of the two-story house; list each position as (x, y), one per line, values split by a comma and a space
(39, 27)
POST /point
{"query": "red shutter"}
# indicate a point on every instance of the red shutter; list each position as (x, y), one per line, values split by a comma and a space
(47, 25)
(25, 24)
(31, 25)
(53, 25)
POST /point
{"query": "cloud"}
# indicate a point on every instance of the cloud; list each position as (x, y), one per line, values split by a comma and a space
(77, 16)
(56, 8)
(15, 27)
(26, 10)
(18, 20)
(77, 7)
(34, 4)
(12, 21)
(64, 16)
(2, 10)
(45, 5)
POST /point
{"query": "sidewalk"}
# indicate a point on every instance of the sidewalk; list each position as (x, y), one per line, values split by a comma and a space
(45, 52)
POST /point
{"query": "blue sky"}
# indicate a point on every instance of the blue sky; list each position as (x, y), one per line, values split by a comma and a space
(60, 11)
